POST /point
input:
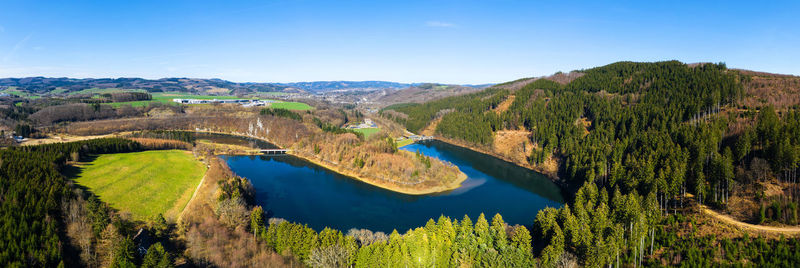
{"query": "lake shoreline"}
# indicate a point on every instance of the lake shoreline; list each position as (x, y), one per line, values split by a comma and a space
(306, 192)
(553, 176)
(234, 149)
(461, 177)
(455, 185)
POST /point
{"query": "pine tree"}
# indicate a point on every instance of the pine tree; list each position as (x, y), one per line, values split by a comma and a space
(498, 232)
(256, 220)
(482, 232)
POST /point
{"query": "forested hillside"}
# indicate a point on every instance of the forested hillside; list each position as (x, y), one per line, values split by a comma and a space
(33, 193)
(634, 139)
(45, 85)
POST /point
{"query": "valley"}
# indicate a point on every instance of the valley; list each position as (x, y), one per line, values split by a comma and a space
(399, 134)
(596, 159)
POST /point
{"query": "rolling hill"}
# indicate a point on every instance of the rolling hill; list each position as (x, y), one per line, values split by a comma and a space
(213, 86)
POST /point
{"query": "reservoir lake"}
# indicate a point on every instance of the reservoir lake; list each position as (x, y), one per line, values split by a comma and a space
(299, 191)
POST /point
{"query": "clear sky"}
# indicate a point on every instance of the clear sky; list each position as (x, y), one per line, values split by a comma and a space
(404, 41)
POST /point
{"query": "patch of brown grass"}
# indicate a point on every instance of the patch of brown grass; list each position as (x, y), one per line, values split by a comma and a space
(781, 91)
(772, 189)
(209, 242)
(503, 106)
(430, 129)
(584, 124)
(63, 138)
(513, 144)
(742, 208)
(565, 78)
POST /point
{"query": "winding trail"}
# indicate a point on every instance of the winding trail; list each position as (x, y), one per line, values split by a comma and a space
(194, 193)
(793, 230)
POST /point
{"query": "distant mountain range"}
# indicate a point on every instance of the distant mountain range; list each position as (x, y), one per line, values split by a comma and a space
(321, 86)
(45, 85)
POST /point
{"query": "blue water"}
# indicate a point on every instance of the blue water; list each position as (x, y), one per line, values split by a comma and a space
(300, 191)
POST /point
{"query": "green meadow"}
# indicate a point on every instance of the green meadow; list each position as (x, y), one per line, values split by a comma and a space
(291, 105)
(367, 131)
(19, 93)
(143, 183)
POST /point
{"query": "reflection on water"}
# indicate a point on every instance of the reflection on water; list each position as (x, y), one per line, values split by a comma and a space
(234, 140)
(300, 191)
(489, 165)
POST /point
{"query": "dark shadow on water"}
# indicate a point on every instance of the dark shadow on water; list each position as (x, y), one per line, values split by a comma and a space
(302, 163)
(520, 177)
(235, 140)
(298, 190)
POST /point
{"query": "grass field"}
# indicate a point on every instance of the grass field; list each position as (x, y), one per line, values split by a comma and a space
(166, 98)
(367, 131)
(144, 183)
(19, 93)
(290, 105)
(404, 142)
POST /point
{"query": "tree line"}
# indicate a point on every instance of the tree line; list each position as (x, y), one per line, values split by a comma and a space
(38, 201)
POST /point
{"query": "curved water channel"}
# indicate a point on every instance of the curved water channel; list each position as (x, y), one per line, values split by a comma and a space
(299, 191)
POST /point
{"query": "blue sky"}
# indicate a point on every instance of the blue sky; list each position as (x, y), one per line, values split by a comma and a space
(404, 41)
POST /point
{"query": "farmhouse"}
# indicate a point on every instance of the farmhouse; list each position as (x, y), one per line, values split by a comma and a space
(366, 124)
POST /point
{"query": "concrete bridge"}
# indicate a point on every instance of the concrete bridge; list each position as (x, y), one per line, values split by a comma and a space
(274, 151)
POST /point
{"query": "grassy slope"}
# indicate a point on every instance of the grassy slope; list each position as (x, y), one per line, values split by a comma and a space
(367, 131)
(166, 98)
(19, 93)
(144, 183)
(291, 106)
(404, 142)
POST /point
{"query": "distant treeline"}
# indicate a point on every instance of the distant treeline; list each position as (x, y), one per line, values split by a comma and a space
(85, 112)
(281, 113)
(128, 96)
(473, 104)
(184, 136)
(46, 84)
(328, 127)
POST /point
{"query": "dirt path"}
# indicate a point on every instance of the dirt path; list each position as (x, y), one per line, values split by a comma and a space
(64, 138)
(750, 227)
(194, 194)
(503, 106)
(430, 129)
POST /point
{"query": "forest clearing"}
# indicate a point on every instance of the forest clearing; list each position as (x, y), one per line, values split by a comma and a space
(143, 183)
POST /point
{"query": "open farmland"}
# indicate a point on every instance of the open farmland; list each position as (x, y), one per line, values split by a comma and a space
(367, 131)
(166, 98)
(143, 183)
(290, 105)
(19, 93)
